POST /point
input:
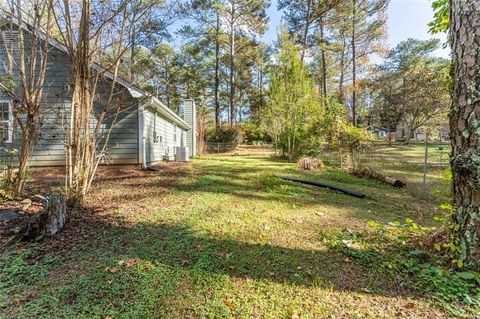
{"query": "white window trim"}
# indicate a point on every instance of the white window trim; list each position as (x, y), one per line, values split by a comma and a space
(9, 121)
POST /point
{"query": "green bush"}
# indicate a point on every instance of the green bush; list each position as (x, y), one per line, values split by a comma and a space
(253, 133)
(227, 134)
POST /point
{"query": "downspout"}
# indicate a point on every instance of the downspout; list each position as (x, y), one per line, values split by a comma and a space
(141, 137)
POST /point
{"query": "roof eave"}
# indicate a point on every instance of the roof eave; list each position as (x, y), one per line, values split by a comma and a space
(167, 112)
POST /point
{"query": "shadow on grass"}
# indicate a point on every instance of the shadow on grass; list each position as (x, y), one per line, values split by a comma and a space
(253, 180)
(176, 259)
(180, 247)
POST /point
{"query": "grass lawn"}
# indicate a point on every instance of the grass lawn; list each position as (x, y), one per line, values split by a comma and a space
(220, 237)
(406, 162)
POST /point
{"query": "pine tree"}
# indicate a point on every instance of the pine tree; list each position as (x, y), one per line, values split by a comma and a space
(465, 130)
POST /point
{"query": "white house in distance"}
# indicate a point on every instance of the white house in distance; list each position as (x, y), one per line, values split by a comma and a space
(378, 131)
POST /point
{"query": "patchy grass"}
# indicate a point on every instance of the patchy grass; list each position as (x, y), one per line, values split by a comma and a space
(221, 237)
(406, 162)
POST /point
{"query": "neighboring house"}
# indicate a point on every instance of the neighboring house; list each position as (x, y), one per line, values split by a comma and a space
(143, 131)
(444, 132)
(421, 133)
(381, 132)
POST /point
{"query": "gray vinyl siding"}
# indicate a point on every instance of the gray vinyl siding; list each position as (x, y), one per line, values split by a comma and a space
(156, 150)
(189, 115)
(122, 147)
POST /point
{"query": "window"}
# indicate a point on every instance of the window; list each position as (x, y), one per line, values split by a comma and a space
(11, 40)
(6, 121)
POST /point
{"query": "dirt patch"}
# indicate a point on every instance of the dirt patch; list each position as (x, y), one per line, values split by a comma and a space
(97, 213)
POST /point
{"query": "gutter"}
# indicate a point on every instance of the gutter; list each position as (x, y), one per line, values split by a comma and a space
(168, 113)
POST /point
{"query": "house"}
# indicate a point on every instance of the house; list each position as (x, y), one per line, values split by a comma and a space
(143, 131)
(381, 132)
(439, 132)
(419, 135)
(444, 132)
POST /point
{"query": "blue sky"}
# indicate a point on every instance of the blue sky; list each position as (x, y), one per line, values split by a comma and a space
(406, 19)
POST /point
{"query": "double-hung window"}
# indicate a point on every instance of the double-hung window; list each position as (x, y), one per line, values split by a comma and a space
(11, 40)
(6, 121)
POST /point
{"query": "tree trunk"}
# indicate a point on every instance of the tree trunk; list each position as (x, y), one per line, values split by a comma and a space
(23, 166)
(465, 130)
(354, 66)
(28, 142)
(133, 34)
(233, 107)
(79, 144)
(324, 64)
(341, 93)
(305, 31)
(217, 79)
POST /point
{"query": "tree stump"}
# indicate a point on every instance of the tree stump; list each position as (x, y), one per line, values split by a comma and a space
(47, 223)
(55, 215)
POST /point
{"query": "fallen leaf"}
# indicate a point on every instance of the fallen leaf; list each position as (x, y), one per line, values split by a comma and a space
(132, 262)
(409, 305)
(230, 304)
(112, 270)
(351, 244)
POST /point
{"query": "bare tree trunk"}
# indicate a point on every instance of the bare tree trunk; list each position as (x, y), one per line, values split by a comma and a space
(465, 130)
(217, 78)
(79, 144)
(305, 31)
(324, 64)
(28, 141)
(354, 65)
(131, 74)
(233, 107)
(260, 85)
(341, 93)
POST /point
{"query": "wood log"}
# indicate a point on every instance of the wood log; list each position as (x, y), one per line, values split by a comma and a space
(368, 172)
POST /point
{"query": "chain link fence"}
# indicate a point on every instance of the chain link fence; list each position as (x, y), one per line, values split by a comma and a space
(422, 166)
(241, 149)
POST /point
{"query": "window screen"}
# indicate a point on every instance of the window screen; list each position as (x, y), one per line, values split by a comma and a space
(5, 121)
(11, 39)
